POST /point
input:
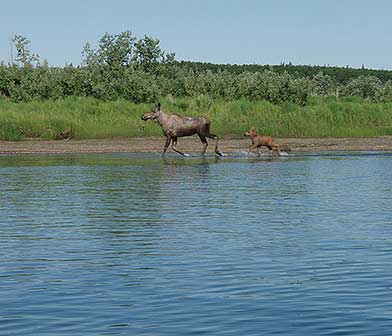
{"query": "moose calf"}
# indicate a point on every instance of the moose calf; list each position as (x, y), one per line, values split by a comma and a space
(259, 141)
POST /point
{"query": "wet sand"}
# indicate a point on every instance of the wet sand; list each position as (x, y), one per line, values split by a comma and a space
(190, 145)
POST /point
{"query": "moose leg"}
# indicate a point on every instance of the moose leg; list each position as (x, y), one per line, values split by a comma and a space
(213, 136)
(204, 142)
(174, 144)
(167, 143)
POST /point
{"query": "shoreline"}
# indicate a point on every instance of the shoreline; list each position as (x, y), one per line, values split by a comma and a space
(189, 144)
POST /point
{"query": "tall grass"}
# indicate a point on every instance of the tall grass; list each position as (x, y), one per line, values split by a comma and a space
(92, 118)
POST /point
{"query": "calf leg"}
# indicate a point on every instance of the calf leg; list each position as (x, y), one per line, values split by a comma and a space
(278, 148)
(253, 148)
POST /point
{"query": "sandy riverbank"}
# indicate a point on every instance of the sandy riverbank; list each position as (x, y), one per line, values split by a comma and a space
(190, 144)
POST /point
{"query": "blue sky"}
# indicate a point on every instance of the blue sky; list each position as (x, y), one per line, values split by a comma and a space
(333, 32)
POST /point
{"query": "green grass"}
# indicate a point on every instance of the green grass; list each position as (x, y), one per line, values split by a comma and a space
(92, 118)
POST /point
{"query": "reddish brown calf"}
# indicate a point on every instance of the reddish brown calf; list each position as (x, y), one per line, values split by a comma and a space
(259, 141)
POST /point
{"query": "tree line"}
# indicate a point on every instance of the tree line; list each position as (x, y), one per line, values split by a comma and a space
(123, 66)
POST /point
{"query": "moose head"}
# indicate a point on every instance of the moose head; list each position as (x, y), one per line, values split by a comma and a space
(153, 114)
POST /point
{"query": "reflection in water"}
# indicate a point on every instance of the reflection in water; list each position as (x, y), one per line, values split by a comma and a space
(120, 244)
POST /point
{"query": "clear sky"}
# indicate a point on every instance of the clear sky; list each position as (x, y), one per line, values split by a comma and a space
(317, 32)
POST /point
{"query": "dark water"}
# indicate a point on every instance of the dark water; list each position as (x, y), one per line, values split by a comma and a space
(134, 245)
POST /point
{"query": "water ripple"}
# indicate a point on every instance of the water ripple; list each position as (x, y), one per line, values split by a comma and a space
(120, 245)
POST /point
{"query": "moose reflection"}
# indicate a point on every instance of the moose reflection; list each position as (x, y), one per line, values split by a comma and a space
(175, 126)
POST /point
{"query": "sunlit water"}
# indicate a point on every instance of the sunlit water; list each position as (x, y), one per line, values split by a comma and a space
(137, 245)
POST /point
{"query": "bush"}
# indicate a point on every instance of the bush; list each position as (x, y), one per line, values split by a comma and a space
(122, 66)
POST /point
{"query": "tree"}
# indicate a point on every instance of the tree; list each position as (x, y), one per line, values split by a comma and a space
(123, 49)
(148, 54)
(24, 55)
(323, 85)
(113, 50)
(365, 87)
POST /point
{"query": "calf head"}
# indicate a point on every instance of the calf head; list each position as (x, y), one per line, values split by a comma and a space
(250, 132)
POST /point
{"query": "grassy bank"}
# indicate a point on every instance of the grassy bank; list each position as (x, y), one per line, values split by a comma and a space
(92, 118)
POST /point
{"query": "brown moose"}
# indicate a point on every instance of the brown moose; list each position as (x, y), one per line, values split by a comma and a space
(175, 126)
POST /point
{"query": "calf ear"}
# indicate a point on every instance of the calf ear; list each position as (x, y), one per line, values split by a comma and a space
(159, 106)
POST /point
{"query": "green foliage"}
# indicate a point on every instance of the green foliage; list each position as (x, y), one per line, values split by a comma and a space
(94, 118)
(24, 55)
(366, 87)
(86, 117)
(107, 79)
(148, 55)
(323, 85)
(341, 75)
(124, 72)
(113, 50)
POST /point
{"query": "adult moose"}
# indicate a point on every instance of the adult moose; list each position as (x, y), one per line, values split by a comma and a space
(175, 126)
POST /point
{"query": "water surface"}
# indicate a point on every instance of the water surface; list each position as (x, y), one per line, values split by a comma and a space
(126, 244)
